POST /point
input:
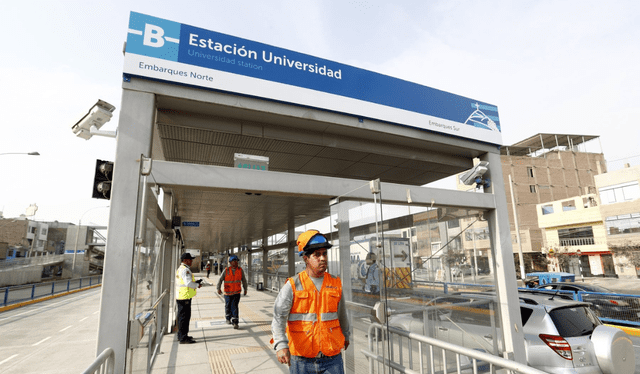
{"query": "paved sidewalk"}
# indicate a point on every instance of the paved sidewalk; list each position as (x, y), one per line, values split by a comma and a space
(220, 348)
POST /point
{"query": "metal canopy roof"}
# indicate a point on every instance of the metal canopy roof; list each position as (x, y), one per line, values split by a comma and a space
(543, 141)
(210, 127)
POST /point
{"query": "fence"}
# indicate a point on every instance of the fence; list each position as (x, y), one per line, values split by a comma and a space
(17, 294)
(413, 353)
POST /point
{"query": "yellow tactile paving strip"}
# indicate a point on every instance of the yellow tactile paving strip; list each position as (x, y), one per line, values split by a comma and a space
(221, 362)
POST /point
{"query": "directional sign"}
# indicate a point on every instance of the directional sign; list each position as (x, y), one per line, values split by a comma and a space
(191, 223)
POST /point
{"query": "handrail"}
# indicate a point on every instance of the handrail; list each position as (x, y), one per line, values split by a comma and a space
(103, 364)
(477, 356)
(146, 316)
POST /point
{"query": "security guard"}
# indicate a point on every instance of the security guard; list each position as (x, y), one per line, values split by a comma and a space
(186, 286)
(310, 325)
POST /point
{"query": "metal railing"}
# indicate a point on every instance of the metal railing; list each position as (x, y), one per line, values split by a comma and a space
(30, 261)
(16, 294)
(433, 356)
(104, 363)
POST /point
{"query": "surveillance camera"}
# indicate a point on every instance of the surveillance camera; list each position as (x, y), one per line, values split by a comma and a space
(99, 114)
(474, 175)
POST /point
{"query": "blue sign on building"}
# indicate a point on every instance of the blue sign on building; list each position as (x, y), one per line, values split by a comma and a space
(170, 51)
(191, 223)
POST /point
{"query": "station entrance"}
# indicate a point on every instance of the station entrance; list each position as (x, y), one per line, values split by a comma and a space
(352, 167)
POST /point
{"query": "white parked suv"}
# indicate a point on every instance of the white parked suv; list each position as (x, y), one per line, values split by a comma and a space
(561, 336)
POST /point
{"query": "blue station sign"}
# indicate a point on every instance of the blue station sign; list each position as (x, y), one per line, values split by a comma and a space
(191, 224)
(170, 51)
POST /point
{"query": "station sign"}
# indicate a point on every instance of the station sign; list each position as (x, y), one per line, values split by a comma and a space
(243, 161)
(170, 51)
(191, 224)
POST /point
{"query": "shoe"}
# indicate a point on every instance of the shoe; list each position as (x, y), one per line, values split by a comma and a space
(235, 326)
(187, 341)
(228, 322)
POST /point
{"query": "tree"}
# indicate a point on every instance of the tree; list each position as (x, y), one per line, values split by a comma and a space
(630, 251)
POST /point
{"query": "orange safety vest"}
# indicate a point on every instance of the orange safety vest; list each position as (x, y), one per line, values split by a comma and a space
(313, 325)
(232, 282)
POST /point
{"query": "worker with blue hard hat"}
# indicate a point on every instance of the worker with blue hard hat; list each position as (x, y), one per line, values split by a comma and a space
(310, 324)
(311, 240)
(233, 277)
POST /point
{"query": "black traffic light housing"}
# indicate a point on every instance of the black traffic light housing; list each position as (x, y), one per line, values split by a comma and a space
(102, 180)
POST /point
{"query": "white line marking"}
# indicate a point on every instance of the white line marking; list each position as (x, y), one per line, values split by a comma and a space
(41, 341)
(66, 328)
(47, 306)
(96, 312)
(5, 360)
(83, 319)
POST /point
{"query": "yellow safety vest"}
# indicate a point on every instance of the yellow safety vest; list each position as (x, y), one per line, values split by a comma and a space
(184, 292)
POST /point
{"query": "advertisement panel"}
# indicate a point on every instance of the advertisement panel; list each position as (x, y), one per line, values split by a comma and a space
(179, 53)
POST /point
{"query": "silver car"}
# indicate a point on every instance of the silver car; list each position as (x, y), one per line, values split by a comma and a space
(561, 336)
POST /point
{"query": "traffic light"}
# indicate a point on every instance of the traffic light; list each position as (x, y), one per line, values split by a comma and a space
(102, 180)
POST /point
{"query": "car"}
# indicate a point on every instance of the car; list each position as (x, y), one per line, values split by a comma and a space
(462, 269)
(561, 335)
(605, 302)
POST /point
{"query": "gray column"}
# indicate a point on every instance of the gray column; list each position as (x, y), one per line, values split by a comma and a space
(500, 237)
(344, 248)
(168, 267)
(135, 129)
(265, 258)
(292, 248)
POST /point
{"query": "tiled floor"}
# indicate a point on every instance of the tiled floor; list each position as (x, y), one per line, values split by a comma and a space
(219, 348)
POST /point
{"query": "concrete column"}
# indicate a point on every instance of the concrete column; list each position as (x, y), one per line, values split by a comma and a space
(168, 266)
(135, 129)
(292, 248)
(500, 238)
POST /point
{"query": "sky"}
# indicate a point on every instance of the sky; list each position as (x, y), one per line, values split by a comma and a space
(549, 66)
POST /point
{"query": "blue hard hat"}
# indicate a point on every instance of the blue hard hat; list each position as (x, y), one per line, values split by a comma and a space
(314, 240)
(233, 258)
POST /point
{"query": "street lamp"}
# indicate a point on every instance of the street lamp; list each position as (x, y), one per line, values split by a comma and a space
(75, 247)
(21, 153)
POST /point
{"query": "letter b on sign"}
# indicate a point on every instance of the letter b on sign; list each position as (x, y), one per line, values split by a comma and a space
(153, 36)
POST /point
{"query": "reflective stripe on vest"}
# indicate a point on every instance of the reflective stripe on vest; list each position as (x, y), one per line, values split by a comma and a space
(184, 291)
(232, 282)
(313, 325)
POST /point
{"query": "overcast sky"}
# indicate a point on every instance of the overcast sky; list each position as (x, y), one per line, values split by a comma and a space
(550, 66)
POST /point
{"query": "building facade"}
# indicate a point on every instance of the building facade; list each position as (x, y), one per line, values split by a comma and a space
(596, 234)
(540, 169)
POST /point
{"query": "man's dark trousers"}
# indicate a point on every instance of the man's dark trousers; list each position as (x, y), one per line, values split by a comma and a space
(184, 316)
(231, 307)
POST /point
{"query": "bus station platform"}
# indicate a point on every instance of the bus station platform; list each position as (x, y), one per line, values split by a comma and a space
(219, 348)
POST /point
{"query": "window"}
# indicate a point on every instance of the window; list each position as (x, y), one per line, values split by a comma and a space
(43, 232)
(576, 236)
(568, 205)
(547, 209)
(532, 188)
(530, 172)
(623, 224)
(620, 193)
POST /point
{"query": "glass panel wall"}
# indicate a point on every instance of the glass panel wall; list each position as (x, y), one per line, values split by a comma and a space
(432, 266)
(146, 284)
